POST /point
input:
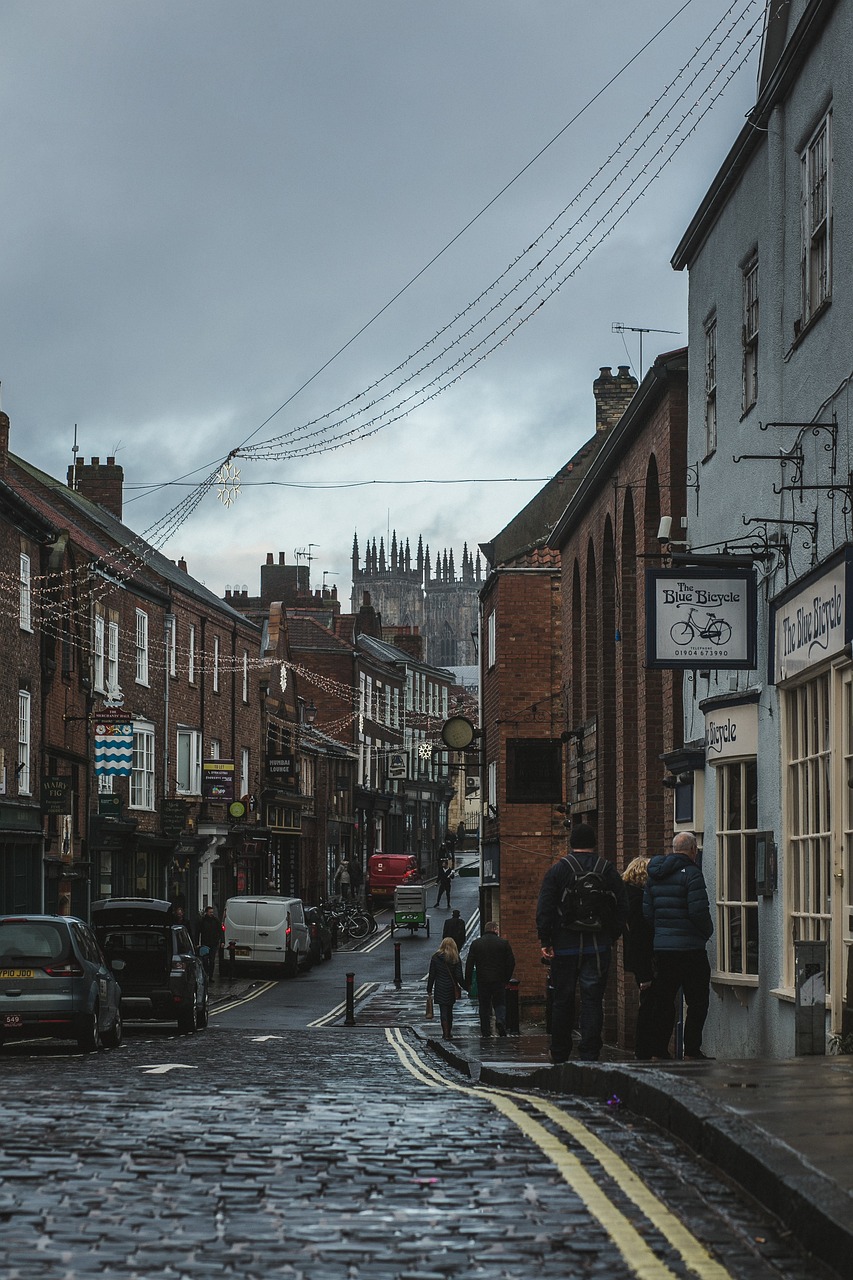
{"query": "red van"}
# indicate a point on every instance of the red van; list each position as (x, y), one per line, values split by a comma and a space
(386, 870)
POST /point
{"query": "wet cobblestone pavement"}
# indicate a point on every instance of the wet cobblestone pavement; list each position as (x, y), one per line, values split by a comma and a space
(343, 1153)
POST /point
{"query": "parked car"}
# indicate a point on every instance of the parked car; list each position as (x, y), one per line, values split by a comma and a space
(266, 929)
(55, 981)
(162, 975)
(385, 871)
(321, 934)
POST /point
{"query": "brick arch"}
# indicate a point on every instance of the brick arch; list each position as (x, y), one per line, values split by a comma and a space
(577, 647)
(591, 634)
(653, 686)
(629, 660)
(606, 736)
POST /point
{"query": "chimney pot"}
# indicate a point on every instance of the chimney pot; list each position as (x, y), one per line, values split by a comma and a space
(281, 557)
(270, 558)
(96, 462)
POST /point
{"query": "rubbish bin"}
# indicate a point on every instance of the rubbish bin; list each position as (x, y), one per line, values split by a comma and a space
(810, 998)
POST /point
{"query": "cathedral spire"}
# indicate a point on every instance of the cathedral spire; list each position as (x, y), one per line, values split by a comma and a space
(355, 555)
(420, 560)
(394, 565)
(381, 555)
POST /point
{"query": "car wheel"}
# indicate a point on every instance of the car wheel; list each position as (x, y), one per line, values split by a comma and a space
(89, 1037)
(204, 1012)
(113, 1036)
(188, 1018)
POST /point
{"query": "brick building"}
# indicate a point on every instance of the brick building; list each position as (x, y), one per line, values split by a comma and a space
(106, 631)
(523, 702)
(620, 717)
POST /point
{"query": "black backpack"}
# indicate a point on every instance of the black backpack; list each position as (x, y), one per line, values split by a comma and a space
(587, 905)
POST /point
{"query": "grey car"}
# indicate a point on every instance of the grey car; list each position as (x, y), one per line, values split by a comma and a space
(54, 981)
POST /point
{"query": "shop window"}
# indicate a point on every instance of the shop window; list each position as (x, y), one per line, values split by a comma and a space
(737, 891)
(142, 769)
(808, 861)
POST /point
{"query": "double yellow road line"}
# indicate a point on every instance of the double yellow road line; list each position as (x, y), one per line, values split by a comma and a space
(631, 1244)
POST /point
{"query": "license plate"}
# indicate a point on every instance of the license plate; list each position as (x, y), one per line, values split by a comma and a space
(7, 975)
(242, 951)
(13, 1020)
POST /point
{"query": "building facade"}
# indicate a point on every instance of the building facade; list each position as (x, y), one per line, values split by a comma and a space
(771, 359)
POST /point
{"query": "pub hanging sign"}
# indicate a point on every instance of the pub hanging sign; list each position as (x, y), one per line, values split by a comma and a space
(700, 618)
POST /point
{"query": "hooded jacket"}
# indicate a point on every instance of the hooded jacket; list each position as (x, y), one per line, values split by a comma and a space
(675, 903)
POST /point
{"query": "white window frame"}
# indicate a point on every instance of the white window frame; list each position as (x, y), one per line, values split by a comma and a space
(216, 664)
(710, 386)
(214, 749)
(24, 742)
(491, 639)
(816, 168)
(141, 647)
(142, 791)
(173, 647)
(750, 333)
(245, 675)
(191, 653)
(188, 762)
(808, 866)
(493, 786)
(737, 893)
(99, 670)
(25, 614)
(112, 658)
(244, 771)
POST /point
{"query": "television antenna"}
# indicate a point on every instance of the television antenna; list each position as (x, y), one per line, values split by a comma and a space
(616, 327)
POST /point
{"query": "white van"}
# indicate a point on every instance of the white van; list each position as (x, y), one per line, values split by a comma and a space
(269, 930)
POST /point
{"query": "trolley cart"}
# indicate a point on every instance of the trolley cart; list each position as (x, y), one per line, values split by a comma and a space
(410, 908)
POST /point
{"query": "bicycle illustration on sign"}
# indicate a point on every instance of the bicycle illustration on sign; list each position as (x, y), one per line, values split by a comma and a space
(715, 631)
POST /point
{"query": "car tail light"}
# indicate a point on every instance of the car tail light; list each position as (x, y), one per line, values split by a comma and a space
(178, 965)
(70, 970)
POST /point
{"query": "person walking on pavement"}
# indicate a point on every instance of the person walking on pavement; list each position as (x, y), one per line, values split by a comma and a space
(445, 980)
(356, 879)
(492, 957)
(582, 909)
(210, 936)
(675, 904)
(343, 879)
(639, 957)
(455, 928)
(445, 876)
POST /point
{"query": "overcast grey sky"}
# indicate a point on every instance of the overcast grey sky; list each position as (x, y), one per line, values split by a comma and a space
(204, 200)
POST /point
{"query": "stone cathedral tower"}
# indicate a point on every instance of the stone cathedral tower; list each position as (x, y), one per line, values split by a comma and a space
(442, 605)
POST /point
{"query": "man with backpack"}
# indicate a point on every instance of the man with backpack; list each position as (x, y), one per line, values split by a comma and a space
(582, 909)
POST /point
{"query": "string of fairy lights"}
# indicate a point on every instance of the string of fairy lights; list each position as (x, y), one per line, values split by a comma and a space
(63, 601)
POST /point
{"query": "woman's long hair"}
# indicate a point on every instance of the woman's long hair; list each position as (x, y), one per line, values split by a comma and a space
(636, 872)
(449, 951)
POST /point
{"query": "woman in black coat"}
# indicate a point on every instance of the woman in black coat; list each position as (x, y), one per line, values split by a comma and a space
(444, 980)
(638, 942)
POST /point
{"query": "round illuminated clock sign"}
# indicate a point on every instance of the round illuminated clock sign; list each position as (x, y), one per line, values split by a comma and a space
(237, 809)
(457, 733)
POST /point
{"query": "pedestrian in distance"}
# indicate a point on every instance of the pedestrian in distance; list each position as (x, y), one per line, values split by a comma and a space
(210, 936)
(675, 904)
(445, 982)
(445, 878)
(581, 913)
(639, 958)
(492, 958)
(343, 879)
(356, 879)
(455, 928)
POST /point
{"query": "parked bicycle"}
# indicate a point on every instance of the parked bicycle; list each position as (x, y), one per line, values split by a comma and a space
(350, 919)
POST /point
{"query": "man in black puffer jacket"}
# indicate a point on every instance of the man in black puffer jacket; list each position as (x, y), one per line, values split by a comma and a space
(675, 903)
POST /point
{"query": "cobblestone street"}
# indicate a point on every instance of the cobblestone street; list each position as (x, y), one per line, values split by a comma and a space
(341, 1153)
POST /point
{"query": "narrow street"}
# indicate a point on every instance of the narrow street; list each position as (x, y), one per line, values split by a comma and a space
(264, 1146)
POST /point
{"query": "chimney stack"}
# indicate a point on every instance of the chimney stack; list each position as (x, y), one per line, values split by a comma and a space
(612, 396)
(103, 485)
(4, 440)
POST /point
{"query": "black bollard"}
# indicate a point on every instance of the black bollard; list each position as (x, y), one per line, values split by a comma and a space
(349, 1020)
(398, 974)
(232, 961)
(512, 1025)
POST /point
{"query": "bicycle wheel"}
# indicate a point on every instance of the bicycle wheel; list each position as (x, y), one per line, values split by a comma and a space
(682, 633)
(719, 631)
(358, 926)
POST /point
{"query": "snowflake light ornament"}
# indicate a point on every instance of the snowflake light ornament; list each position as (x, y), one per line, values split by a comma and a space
(228, 480)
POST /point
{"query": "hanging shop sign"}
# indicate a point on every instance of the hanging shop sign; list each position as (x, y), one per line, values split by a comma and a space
(700, 618)
(398, 764)
(56, 794)
(731, 733)
(813, 621)
(173, 817)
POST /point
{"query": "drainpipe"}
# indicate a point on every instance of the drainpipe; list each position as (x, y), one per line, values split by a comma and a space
(169, 623)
